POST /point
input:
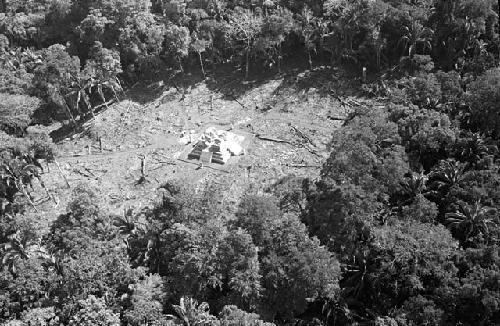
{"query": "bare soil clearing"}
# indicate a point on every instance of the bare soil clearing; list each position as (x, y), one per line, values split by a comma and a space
(287, 120)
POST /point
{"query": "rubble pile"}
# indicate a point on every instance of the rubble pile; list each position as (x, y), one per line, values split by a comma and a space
(217, 146)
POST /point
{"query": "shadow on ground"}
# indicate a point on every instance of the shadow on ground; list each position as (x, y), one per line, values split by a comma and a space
(228, 80)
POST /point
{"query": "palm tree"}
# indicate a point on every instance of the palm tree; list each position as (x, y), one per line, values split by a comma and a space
(136, 235)
(13, 251)
(142, 240)
(79, 87)
(19, 246)
(474, 148)
(57, 98)
(127, 224)
(192, 313)
(471, 221)
(110, 83)
(17, 176)
(447, 174)
(414, 185)
(355, 276)
(414, 35)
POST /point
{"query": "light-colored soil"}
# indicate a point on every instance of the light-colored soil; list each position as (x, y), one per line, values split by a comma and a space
(149, 122)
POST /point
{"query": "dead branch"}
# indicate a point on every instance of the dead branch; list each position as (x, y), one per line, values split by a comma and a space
(105, 104)
(177, 88)
(352, 101)
(135, 84)
(236, 100)
(311, 151)
(341, 100)
(86, 175)
(143, 166)
(89, 171)
(350, 117)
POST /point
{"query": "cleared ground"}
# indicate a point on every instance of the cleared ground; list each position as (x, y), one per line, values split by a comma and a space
(288, 122)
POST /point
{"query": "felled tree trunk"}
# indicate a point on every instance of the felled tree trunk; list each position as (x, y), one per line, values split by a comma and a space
(180, 65)
(201, 64)
(247, 67)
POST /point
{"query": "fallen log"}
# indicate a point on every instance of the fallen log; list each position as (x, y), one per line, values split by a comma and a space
(86, 175)
(47, 191)
(28, 197)
(61, 172)
(273, 139)
(160, 164)
(237, 101)
(205, 166)
(304, 136)
(341, 100)
(304, 165)
(312, 151)
(92, 173)
(336, 118)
